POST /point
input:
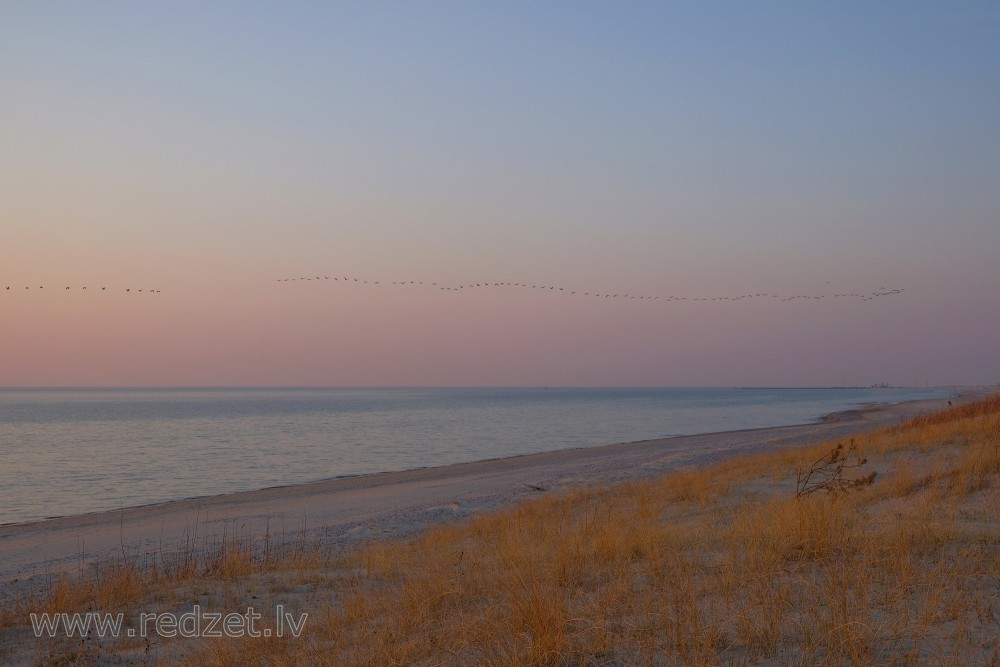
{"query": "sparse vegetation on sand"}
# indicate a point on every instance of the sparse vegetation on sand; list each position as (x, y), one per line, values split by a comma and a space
(728, 564)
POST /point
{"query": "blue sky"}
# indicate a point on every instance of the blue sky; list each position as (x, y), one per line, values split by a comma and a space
(694, 148)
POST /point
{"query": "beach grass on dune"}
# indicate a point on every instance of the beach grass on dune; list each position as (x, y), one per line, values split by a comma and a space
(727, 564)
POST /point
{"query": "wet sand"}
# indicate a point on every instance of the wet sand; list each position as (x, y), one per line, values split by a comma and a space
(349, 510)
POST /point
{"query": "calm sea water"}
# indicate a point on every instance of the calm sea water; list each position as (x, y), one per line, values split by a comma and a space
(71, 451)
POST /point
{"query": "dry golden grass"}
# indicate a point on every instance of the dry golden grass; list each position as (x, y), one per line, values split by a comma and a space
(721, 565)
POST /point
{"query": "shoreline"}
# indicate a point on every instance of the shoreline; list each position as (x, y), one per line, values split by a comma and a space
(852, 414)
(347, 510)
(849, 414)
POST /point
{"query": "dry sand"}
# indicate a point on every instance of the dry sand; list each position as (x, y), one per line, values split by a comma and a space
(350, 510)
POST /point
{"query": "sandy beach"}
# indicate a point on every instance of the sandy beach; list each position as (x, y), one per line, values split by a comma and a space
(350, 510)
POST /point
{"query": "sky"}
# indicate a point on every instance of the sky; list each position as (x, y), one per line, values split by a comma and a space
(204, 152)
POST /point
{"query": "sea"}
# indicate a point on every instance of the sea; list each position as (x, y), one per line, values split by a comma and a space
(73, 451)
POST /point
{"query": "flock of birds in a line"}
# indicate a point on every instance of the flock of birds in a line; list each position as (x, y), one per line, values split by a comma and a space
(881, 292)
(103, 289)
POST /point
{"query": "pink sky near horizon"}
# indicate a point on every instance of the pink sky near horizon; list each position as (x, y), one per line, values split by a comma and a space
(209, 152)
(330, 334)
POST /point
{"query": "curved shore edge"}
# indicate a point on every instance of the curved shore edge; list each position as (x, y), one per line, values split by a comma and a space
(349, 510)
